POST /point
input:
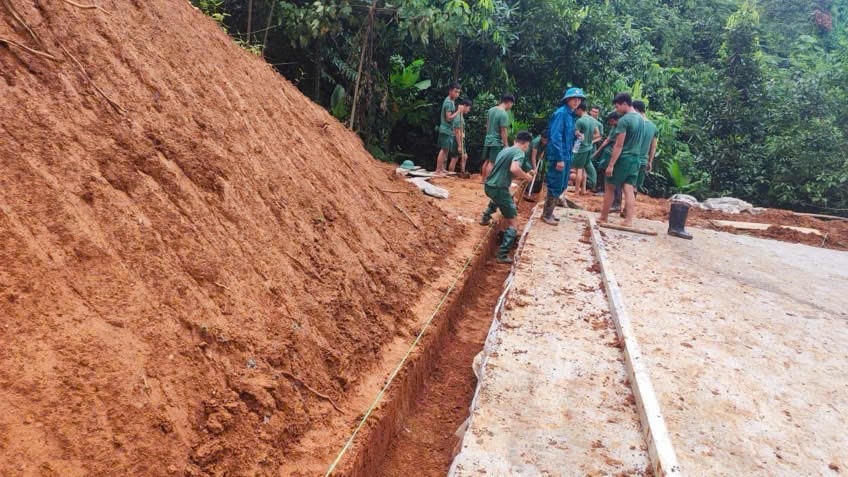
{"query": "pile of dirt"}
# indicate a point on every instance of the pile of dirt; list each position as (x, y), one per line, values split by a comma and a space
(834, 232)
(193, 267)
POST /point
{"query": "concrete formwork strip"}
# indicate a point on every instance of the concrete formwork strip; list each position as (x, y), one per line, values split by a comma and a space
(663, 457)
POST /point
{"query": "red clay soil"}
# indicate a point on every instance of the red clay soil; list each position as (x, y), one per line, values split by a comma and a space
(189, 274)
(834, 232)
(426, 443)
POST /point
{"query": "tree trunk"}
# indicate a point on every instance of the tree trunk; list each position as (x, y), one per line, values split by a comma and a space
(457, 61)
(316, 80)
(364, 47)
(268, 27)
(249, 19)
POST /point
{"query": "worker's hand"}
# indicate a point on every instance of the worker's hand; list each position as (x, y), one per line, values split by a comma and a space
(650, 166)
(560, 166)
(531, 173)
(609, 171)
(464, 156)
(578, 135)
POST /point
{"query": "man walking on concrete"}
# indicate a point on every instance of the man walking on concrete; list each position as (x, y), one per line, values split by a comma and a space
(623, 168)
(559, 150)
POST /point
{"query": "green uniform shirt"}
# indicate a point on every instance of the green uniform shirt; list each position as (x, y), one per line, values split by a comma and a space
(448, 106)
(586, 125)
(538, 147)
(498, 118)
(458, 123)
(600, 127)
(500, 175)
(650, 133)
(633, 126)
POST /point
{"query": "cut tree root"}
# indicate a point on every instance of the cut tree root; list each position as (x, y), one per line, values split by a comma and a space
(112, 103)
(28, 49)
(87, 7)
(18, 18)
(320, 395)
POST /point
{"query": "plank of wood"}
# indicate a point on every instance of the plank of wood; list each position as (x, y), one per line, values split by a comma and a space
(627, 229)
(663, 458)
(820, 216)
(761, 226)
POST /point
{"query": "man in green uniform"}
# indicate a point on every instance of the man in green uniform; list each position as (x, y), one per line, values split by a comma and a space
(586, 126)
(536, 156)
(604, 151)
(509, 164)
(623, 168)
(458, 151)
(649, 145)
(446, 117)
(497, 133)
(595, 112)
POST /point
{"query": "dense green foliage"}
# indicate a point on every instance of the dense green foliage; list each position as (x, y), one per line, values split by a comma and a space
(747, 95)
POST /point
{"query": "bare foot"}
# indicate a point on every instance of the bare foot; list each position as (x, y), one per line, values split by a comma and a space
(602, 219)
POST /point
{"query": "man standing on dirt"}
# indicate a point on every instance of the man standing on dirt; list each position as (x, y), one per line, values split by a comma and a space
(446, 117)
(497, 133)
(458, 152)
(623, 168)
(586, 126)
(509, 164)
(559, 150)
(649, 145)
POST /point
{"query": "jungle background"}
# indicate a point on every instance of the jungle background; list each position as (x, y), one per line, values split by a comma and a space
(748, 95)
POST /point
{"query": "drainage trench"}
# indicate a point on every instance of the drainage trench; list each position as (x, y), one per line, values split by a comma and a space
(412, 430)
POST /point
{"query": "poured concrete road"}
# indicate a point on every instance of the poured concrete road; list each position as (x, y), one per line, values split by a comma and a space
(554, 398)
(746, 341)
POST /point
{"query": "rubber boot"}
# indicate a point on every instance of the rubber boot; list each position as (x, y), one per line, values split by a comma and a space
(548, 210)
(677, 220)
(486, 219)
(508, 240)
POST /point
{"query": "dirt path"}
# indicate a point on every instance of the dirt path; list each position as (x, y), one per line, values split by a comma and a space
(834, 233)
(554, 396)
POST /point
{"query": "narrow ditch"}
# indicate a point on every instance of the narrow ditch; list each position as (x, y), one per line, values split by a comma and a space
(425, 444)
(413, 430)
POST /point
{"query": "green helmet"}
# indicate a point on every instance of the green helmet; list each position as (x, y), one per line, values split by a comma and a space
(573, 93)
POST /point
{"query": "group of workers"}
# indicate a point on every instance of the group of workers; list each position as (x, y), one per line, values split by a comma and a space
(572, 148)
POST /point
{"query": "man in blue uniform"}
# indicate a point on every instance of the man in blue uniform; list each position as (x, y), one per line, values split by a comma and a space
(559, 154)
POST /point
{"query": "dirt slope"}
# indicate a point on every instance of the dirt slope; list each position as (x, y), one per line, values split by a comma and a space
(174, 277)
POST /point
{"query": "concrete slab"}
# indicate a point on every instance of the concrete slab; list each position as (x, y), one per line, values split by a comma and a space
(746, 341)
(553, 395)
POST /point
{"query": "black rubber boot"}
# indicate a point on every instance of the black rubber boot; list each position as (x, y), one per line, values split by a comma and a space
(548, 210)
(677, 220)
(486, 219)
(508, 240)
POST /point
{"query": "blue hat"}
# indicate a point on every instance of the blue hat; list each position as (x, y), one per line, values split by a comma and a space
(573, 93)
(408, 165)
